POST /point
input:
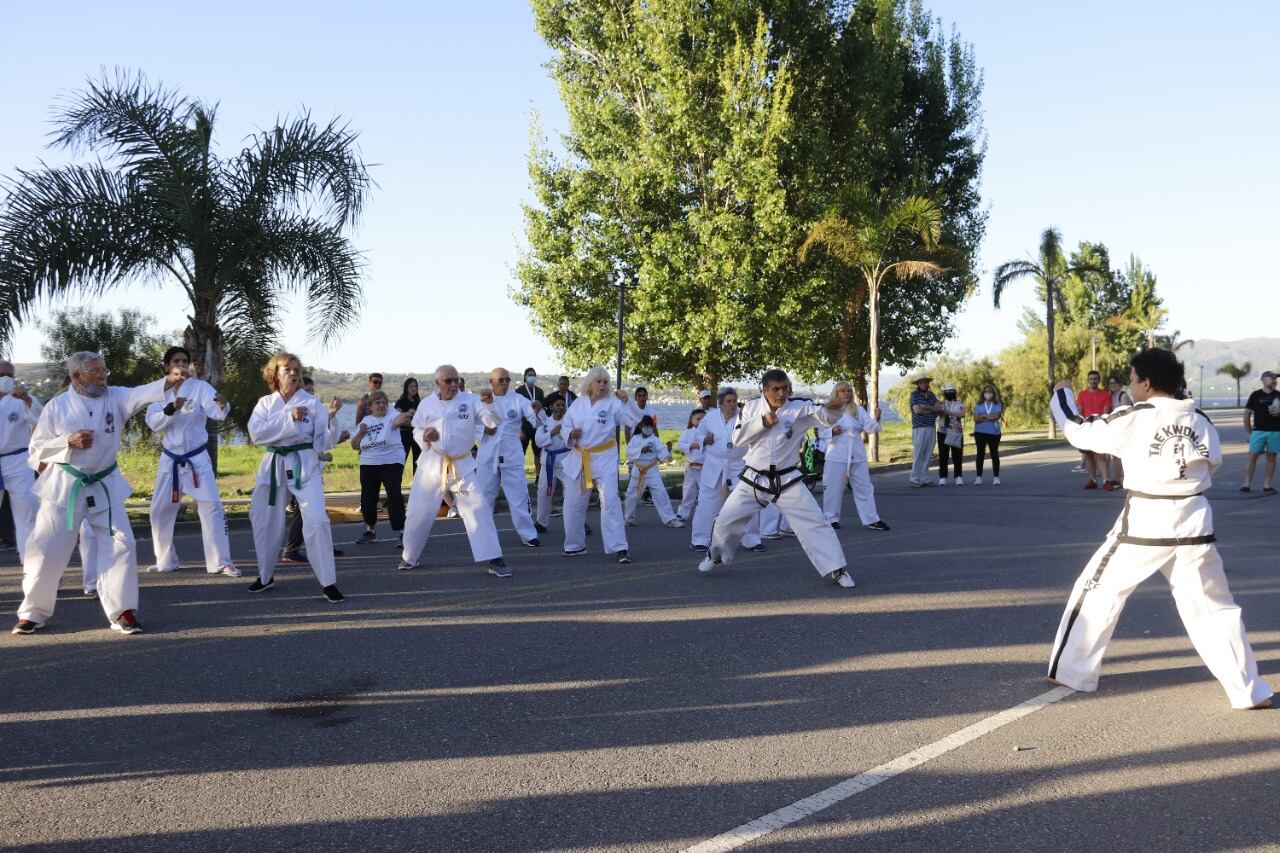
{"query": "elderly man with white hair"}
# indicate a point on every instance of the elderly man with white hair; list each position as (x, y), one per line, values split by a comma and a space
(19, 412)
(445, 427)
(78, 437)
(592, 422)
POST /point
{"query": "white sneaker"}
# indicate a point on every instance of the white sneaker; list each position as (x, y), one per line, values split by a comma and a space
(942, 481)
(708, 563)
(977, 481)
(995, 481)
(675, 522)
(842, 578)
(229, 571)
(957, 481)
(158, 569)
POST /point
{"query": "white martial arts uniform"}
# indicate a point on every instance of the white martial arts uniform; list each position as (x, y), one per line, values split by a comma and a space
(1170, 450)
(593, 463)
(691, 446)
(66, 499)
(772, 477)
(554, 450)
(722, 464)
(295, 470)
(644, 457)
(185, 468)
(446, 465)
(500, 462)
(846, 460)
(17, 418)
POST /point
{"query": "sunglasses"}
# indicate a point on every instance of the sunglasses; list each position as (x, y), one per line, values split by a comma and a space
(505, 379)
(454, 380)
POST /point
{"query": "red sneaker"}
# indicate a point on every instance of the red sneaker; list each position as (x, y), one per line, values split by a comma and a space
(126, 623)
(1108, 485)
(1092, 484)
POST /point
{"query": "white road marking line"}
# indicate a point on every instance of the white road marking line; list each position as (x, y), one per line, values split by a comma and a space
(801, 809)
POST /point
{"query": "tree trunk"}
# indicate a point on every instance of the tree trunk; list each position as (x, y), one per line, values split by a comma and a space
(204, 340)
(1053, 364)
(873, 340)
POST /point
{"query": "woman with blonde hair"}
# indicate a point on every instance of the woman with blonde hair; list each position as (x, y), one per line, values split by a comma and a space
(987, 415)
(293, 427)
(593, 463)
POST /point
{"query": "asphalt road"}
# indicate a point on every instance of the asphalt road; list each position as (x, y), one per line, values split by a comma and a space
(583, 705)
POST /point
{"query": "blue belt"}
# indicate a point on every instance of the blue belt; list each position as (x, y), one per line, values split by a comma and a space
(180, 460)
(2, 455)
(549, 462)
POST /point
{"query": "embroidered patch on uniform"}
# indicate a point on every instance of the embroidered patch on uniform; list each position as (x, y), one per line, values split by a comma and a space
(111, 424)
(602, 416)
(462, 408)
(13, 417)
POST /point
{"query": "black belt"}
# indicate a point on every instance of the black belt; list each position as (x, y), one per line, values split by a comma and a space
(774, 477)
(1146, 496)
(1126, 539)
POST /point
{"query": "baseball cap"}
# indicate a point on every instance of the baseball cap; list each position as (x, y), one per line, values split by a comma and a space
(1268, 374)
(704, 393)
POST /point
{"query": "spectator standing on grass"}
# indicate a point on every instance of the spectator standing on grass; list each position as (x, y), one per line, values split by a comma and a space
(1262, 425)
(950, 436)
(987, 415)
(562, 392)
(1094, 402)
(706, 400)
(382, 458)
(362, 405)
(408, 403)
(530, 391)
(924, 419)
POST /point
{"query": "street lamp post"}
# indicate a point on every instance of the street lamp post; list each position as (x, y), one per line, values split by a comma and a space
(622, 284)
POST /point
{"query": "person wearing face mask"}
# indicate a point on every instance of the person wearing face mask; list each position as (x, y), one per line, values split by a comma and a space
(950, 436)
(292, 426)
(691, 447)
(551, 436)
(185, 468)
(529, 426)
(773, 429)
(1170, 451)
(78, 439)
(645, 453)
(986, 432)
(19, 413)
(846, 462)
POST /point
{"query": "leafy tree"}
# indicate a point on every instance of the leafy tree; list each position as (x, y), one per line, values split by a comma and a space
(876, 242)
(671, 175)
(125, 340)
(1237, 373)
(1051, 272)
(236, 234)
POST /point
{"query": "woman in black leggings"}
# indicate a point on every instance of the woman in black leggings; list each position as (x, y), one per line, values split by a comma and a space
(952, 421)
(408, 403)
(986, 431)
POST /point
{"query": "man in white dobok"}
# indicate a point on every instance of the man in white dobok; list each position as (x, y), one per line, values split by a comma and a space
(773, 428)
(185, 468)
(19, 413)
(445, 427)
(78, 438)
(500, 461)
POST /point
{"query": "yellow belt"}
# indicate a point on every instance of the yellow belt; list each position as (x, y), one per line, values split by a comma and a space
(586, 452)
(644, 469)
(449, 470)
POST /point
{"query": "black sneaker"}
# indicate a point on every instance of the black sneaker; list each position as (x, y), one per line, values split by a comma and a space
(541, 528)
(337, 553)
(758, 548)
(331, 594)
(590, 532)
(259, 586)
(366, 538)
(835, 525)
(576, 553)
(498, 568)
(701, 549)
(624, 557)
(1267, 490)
(879, 525)
(26, 626)
(532, 543)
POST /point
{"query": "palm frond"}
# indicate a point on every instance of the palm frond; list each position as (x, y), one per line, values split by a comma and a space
(918, 217)
(1009, 272)
(904, 270)
(835, 234)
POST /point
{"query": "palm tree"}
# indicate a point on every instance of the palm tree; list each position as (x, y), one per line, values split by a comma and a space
(1236, 373)
(877, 241)
(1051, 272)
(1145, 320)
(236, 234)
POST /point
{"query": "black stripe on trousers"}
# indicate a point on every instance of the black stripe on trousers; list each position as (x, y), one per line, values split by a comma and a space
(1092, 582)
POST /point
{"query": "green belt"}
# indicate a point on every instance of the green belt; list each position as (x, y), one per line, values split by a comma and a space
(276, 450)
(83, 479)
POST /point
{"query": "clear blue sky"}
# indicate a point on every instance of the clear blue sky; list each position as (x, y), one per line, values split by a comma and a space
(1150, 126)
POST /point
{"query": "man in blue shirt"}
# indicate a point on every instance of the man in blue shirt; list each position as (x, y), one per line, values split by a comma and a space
(924, 418)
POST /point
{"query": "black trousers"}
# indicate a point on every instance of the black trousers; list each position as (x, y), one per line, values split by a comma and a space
(944, 451)
(293, 542)
(986, 440)
(7, 536)
(410, 447)
(388, 477)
